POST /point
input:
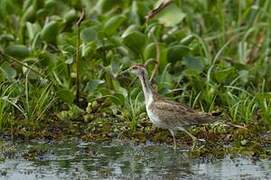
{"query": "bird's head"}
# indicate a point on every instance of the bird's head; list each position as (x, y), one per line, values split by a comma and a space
(138, 69)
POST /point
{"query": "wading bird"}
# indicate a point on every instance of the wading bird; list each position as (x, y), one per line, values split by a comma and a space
(169, 114)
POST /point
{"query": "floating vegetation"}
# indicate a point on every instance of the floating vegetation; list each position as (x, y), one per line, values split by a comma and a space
(62, 69)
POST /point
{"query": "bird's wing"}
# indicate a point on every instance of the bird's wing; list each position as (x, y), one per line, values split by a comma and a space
(177, 114)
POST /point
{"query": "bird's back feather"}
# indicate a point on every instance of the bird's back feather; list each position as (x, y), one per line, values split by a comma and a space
(173, 114)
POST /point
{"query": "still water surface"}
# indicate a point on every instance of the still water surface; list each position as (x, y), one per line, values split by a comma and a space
(116, 160)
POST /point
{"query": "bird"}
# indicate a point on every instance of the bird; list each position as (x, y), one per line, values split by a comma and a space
(167, 114)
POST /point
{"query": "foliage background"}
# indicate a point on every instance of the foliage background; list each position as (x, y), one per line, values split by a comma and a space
(214, 55)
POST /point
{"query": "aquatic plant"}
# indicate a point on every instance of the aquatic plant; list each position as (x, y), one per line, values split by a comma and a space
(210, 55)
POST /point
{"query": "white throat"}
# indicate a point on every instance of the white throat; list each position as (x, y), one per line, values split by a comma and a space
(148, 95)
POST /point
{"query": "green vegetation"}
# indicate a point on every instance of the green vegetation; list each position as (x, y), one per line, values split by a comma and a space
(62, 63)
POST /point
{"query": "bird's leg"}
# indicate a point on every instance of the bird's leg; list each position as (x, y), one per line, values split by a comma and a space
(194, 139)
(174, 140)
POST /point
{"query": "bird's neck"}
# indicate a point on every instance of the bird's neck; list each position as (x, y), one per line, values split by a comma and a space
(147, 89)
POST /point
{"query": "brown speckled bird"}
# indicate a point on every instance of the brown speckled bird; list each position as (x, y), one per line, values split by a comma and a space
(169, 114)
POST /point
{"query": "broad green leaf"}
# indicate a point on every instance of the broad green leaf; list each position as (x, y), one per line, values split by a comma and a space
(88, 49)
(92, 85)
(171, 15)
(8, 71)
(223, 74)
(50, 32)
(70, 16)
(150, 53)
(30, 13)
(119, 89)
(17, 50)
(88, 34)
(118, 99)
(32, 29)
(130, 29)
(177, 52)
(65, 95)
(107, 5)
(135, 41)
(193, 63)
(6, 37)
(244, 75)
(113, 24)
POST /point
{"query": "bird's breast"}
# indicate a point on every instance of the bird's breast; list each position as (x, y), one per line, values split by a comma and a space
(154, 118)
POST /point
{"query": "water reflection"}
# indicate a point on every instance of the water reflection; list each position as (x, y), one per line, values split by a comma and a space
(123, 161)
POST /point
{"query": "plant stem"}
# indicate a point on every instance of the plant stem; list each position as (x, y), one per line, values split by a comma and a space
(81, 18)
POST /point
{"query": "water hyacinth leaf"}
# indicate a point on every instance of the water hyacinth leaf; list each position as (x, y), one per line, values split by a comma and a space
(30, 13)
(193, 63)
(244, 75)
(6, 37)
(69, 60)
(119, 89)
(70, 16)
(50, 31)
(171, 15)
(88, 34)
(135, 41)
(65, 95)
(129, 30)
(88, 50)
(8, 72)
(32, 29)
(17, 50)
(150, 53)
(118, 99)
(107, 5)
(222, 75)
(41, 13)
(92, 85)
(177, 52)
(115, 68)
(113, 24)
(134, 12)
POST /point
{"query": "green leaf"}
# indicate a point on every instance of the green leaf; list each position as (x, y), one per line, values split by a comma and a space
(177, 52)
(17, 50)
(222, 75)
(8, 71)
(32, 29)
(6, 37)
(88, 34)
(150, 53)
(103, 6)
(171, 15)
(65, 95)
(70, 16)
(50, 32)
(244, 75)
(193, 63)
(129, 30)
(29, 14)
(120, 90)
(135, 41)
(113, 24)
(88, 49)
(92, 85)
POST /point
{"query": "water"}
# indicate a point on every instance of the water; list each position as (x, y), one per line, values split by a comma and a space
(116, 160)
